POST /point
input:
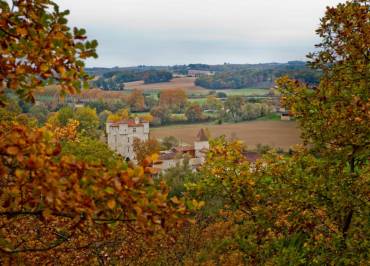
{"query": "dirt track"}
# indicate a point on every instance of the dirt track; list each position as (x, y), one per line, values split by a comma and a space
(281, 134)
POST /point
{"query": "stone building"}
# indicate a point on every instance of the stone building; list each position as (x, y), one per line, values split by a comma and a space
(121, 135)
(199, 73)
(194, 154)
(201, 144)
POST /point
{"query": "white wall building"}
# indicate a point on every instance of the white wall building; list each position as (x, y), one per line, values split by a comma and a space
(199, 73)
(195, 154)
(201, 145)
(121, 136)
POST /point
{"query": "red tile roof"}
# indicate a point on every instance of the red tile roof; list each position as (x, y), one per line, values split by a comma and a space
(167, 156)
(130, 123)
(252, 156)
(184, 149)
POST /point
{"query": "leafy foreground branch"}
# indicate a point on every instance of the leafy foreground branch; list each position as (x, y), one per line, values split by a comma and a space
(285, 209)
(49, 202)
(307, 208)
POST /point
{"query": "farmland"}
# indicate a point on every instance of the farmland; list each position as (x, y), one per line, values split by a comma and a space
(185, 83)
(245, 92)
(279, 134)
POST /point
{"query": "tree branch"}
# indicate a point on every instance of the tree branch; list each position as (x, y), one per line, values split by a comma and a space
(64, 215)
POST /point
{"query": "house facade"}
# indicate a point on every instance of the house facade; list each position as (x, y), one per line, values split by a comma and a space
(195, 154)
(121, 135)
(199, 73)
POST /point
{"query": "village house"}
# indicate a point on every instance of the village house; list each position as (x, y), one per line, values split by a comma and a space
(284, 114)
(199, 73)
(121, 135)
(194, 154)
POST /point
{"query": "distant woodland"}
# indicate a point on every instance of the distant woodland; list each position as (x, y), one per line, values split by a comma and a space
(226, 76)
(114, 80)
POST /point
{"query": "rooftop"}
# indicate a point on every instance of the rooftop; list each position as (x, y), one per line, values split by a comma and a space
(252, 156)
(202, 135)
(129, 122)
(184, 149)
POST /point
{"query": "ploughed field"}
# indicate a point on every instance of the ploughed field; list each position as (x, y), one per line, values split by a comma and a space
(185, 83)
(278, 134)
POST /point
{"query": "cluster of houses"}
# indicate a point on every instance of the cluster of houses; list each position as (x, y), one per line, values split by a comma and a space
(121, 137)
(195, 154)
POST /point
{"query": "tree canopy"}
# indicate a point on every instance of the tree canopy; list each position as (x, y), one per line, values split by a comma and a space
(38, 48)
(56, 207)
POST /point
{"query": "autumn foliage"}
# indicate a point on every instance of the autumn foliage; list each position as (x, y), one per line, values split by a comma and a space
(55, 209)
(50, 204)
(308, 207)
(174, 99)
(38, 49)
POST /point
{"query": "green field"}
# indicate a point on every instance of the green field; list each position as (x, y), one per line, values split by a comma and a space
(233, 92)
(270, 117)
(246, 92)
(198, 100)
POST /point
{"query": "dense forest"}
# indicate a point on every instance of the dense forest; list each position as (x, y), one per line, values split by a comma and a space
(66, 199)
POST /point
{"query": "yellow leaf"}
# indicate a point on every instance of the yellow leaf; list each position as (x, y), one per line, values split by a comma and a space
(19, 173)
(155, 157)
(20, 70)
(22, 31)
(61, 70)
(175, 200)
(44, 67)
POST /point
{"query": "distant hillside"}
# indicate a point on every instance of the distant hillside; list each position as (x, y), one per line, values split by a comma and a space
(116, 79)
(258, 76)
(226, 76)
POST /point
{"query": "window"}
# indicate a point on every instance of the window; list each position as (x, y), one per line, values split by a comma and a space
(134, 129)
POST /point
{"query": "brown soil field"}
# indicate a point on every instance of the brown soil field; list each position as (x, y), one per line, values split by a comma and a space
(186, 83)
(278, 134)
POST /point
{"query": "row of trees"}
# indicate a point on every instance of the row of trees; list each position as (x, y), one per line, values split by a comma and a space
(115, 80)
(260, 78)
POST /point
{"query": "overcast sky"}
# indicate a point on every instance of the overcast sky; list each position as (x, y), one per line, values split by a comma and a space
(168, 32)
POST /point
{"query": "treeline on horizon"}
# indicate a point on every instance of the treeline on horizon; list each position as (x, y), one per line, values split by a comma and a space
(114, 80)
(226, 76)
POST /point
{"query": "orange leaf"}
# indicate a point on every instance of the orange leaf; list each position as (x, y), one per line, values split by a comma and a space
(12, 150)
(111, 204)
(21, 31)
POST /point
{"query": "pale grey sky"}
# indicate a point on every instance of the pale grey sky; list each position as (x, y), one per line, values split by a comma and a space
(167, 32)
